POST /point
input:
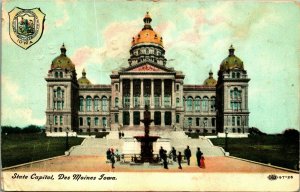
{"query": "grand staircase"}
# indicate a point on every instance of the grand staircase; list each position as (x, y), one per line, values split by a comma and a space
(128, 145)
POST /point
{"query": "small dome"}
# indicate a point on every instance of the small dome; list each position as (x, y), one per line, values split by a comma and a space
(210, 81)
(147, 34)
(231, 62)
(83, 80)
(62, 61)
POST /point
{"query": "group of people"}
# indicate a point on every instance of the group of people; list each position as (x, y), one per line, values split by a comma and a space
(112, 155)
(187, 156)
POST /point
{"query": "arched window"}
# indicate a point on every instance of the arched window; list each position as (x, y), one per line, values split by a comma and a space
(104, 123)
(88, 121)
(116, 87)
(238, 121)
(177, 102)
(205, 103)
(80, 103)
(238, 75)
(116, 102)
(61, 74)
(177, 87)
(56, 74)
(96, 103)
(89, 103)
(189, 104)
(55, 129)
(60, 129)
(197, 104)
(96, 121)
(233, 74)
(233, 130)
(58, 105)
(233, 121)
(147, 51)
(80, 121)
(104, 103)
(177, 118)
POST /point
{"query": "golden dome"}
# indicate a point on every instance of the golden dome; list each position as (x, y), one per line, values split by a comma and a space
(210, 81)
(62, 61)
(232, 61)
(147, 35)
(83, 80)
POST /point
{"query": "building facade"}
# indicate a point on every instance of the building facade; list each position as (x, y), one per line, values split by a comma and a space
(80, 106)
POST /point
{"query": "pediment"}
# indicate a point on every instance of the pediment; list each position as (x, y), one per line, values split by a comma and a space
(147, 68)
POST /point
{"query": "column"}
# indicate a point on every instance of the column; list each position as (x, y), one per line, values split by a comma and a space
(130, 118)
(181, 93)
(152, 94)
(163, 93)
(173, 94)
(246, 98)
(131, 93)
(50, 98)
(142, 94)
(121, 93)
(162, 119)
(66, 98)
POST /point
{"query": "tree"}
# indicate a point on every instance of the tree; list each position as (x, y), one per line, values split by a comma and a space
(255, 131)
(291, 135)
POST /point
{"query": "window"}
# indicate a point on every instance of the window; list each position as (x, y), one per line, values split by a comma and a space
(116, 87)
(238, 121)
(60, 129)
(157, 118)
(59, 92)
(116, 118)
(168, 118)
(197, 121)
(61, 120)
(80, 121)
(104, 123)
(147, 100)
(213, 104)
(189, 104)
(56, 74)
(116, 102)
(167, 101)
(177, 102)
(197, 104)
(238, 75)
(156, 101)
(126, 101)
(233, 121)
(96, 104)
(190, 121)
(104, 104)
(126, 118)
(62, 104)
(81, 104)
(136, 101)
(147, 51)
(58, 105)
(177, 87)
(96, 121)
(88, 103)
(136, 117)
(55, 129)
(213, 122)
(88, 121)
(177, 118)
(55, 120)
(205, 104)
(233, 75)
(61, 74)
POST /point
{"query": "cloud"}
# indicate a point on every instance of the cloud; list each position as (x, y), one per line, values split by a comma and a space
(23, 116)
(10, 89)
(61, 21)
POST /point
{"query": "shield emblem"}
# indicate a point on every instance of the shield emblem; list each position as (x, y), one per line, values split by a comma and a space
(26, 26)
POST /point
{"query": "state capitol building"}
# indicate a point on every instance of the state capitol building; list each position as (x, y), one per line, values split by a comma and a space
(78, 105)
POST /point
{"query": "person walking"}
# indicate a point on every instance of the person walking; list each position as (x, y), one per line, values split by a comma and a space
(161, 152)
(108, 154)
(199, 155)
(117, 154)
(112, 159)
(202, 164)
(179, 159)
(165, 161)
(187, 154)
(173, 153)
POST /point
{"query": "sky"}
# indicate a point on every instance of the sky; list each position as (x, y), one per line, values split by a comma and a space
(196, 35)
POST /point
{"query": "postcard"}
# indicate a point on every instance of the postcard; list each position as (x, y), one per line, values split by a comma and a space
(154, 95)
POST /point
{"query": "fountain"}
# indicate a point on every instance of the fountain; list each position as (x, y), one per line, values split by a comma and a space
(147, 140)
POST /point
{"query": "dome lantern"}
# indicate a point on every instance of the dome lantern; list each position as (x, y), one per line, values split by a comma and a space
(147, 20)
(231, 50)
(210, 81)
(63, 50)
(83, 80)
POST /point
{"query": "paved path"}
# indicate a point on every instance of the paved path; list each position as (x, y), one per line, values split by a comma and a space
(98, 163)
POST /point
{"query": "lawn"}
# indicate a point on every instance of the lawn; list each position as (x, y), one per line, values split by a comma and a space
(23, 148)
(274, 149)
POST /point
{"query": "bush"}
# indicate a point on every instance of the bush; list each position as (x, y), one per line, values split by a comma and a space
(255, 131)
(190, 130)
(291, 135)
(198, 130)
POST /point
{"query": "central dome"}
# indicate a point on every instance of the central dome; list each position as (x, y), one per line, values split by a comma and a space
(147, 34)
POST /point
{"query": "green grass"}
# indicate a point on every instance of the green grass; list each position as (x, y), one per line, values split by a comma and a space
(23, 148)
(274, 149)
